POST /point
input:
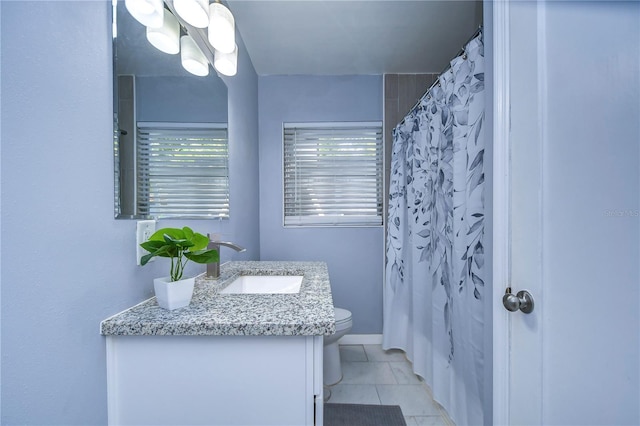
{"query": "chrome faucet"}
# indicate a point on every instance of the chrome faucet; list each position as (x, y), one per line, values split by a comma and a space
(213, 269)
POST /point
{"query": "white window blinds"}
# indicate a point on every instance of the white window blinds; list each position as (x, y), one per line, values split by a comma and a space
(182, 170)
(333, 174)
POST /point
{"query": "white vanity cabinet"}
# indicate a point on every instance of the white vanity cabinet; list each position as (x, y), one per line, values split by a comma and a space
(214, 380)
(226, 359)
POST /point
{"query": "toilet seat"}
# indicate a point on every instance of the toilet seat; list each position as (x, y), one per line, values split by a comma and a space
(343, 316)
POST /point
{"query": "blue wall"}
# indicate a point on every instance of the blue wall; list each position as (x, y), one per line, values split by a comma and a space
(354, 255)
(67, 263)
(181, 99)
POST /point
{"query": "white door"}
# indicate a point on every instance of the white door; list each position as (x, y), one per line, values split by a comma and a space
(567, 191)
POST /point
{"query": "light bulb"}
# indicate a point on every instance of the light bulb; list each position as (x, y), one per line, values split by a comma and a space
(226, 63)
(147, 12)
(193, 60)
(167, 37)
(194, 12)
(222, 28)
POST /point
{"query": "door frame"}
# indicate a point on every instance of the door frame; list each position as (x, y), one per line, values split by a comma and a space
(501, 211)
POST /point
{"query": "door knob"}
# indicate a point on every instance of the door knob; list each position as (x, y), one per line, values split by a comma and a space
(523, 300)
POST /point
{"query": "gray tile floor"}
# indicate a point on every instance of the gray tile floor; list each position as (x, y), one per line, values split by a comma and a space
(371, 375)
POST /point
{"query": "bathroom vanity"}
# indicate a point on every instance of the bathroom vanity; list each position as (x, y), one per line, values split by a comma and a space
(226, 359)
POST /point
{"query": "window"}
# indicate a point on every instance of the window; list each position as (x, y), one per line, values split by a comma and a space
(182, 170)
(333, 174)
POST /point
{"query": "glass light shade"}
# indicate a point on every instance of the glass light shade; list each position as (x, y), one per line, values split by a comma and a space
(226, 63)
(222, 28)
(193, 60)
(194, 12)
(167, 37)
(147, 12)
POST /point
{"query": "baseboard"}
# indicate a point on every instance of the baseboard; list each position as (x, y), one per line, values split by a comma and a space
(361, 339)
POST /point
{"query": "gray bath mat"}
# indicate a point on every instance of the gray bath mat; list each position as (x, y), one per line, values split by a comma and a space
(363, 415)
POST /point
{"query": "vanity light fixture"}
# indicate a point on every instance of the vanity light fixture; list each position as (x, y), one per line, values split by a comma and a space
(226, 63)
(194, 12)
(163, 32)
(147, 12)
(167, 37)
(222, 28)
(193, 60)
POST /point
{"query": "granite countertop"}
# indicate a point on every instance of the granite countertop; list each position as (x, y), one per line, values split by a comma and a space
(308, 313)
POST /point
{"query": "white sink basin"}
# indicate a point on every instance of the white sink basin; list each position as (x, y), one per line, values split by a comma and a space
(264, 284)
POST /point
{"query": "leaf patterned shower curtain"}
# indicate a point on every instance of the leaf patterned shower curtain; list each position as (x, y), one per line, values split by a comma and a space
(434, 281)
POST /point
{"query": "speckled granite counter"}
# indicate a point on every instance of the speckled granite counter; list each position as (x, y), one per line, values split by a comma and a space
(308, 313)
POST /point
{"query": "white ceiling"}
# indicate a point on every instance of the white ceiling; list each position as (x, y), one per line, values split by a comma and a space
(334, 37)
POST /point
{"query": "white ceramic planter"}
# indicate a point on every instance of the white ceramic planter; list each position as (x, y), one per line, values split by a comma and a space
(173, 295)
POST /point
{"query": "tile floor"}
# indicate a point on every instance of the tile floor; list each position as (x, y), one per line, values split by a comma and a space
(371, 375)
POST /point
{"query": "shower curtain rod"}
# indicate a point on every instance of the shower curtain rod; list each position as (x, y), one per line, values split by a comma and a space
(460, 52)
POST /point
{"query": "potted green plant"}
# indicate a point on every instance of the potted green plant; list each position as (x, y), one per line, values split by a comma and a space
(180, 246)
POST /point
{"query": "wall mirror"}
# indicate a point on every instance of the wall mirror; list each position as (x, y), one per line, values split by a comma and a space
(156, 102)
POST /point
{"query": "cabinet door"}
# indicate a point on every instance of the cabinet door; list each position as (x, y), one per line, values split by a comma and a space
(212, 380)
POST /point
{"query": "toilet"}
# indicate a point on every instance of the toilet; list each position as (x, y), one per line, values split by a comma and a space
(332, 369)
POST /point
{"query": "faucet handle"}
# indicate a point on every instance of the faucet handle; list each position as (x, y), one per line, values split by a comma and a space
(215, 244)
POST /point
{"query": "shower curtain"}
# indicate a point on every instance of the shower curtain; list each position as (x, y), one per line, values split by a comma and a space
(434, 281)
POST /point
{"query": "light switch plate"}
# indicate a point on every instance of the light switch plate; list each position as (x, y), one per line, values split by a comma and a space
(144, 229)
